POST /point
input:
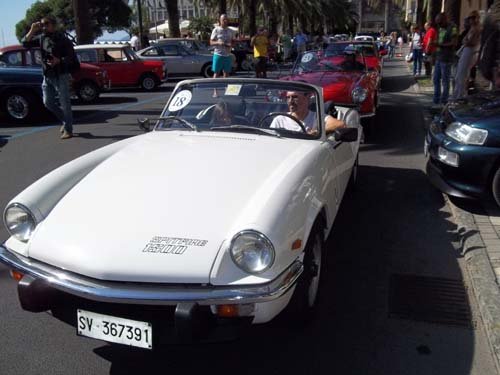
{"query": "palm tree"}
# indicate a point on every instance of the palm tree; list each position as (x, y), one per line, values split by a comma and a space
(174, 30)
(452, 10)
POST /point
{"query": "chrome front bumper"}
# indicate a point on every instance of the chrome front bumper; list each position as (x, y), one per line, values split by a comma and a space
(148, 293)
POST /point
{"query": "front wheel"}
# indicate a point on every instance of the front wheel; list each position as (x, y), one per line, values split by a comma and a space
(19, 106)
(305, 297)
(495, 186)
(148, 82)
(88, 92)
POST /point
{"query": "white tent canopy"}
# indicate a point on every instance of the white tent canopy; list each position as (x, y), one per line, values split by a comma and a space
(164, 27)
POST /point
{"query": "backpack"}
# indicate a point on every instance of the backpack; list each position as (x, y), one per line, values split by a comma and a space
(487, 55)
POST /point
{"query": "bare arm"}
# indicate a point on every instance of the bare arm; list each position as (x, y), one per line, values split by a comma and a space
(332, 124)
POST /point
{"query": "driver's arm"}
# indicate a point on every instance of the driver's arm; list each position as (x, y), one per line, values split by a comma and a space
(332, 124)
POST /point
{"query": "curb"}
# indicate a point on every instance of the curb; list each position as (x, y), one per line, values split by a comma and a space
(485, 288)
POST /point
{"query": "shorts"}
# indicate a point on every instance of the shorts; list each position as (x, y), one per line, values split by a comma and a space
(260, 63)
(221, 63)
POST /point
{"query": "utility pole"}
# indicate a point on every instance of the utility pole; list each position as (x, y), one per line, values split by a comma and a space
(84, 33)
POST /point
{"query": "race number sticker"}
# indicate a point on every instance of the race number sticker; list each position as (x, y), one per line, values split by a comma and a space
(180, 100)
(233, 90)
(307, 57)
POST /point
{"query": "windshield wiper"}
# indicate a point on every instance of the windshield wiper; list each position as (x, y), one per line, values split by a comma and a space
(271, 132)
(185, 123)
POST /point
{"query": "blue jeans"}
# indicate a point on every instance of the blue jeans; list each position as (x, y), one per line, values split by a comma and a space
(417, 61)
(442, 74)
(57, 98)
(392, 49)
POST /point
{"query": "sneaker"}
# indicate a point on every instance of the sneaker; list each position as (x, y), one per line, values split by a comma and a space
(61, 129)
(66, 135)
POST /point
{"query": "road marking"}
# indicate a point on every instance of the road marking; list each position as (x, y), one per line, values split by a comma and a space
(43, 128)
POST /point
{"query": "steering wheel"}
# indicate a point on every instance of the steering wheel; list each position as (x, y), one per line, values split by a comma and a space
(273, 114)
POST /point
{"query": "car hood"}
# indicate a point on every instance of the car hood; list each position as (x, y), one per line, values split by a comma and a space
(477, 107)
(159, 209)
(337, 86)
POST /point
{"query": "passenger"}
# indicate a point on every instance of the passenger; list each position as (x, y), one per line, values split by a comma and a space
(298, 105)
(350, 62)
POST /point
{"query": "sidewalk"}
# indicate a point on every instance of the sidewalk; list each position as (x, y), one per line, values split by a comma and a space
(478, 233)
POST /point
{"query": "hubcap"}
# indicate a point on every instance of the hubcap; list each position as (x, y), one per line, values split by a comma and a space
(17, 107)
(87, 92)
(148, 83)
(315, 272)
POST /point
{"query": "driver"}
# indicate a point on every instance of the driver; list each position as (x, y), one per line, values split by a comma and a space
(350, 62)
(298, 106)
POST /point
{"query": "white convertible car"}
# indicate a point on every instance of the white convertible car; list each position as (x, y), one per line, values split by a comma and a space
(215, 218)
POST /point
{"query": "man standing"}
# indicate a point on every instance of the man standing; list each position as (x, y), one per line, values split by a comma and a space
(260, 43)
(58, 60)
(445, 54)
(285, 41)
(300, 42)
(430, 41)
(222, 38)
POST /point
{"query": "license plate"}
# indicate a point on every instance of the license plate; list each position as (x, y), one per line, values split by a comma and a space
(113, 329)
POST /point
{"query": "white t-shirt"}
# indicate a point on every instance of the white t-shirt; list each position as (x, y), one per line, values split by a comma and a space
(134, 42)
(416, 41)
(226, 36)
(284, 122)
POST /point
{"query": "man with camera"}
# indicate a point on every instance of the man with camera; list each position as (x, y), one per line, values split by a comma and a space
(58, 61)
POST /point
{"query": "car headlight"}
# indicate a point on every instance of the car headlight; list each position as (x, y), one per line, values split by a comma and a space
(466, 134)
(20, 222)
(252, 251)
(358, 95)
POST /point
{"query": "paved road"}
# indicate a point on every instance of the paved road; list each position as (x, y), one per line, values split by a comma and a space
(394, 224)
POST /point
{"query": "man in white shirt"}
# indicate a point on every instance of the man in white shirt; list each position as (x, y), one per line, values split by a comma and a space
(134, 42)
(222, 38)
(298, 105)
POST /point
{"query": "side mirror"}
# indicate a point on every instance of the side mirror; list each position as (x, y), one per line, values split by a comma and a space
(144, 124)
(346, 134)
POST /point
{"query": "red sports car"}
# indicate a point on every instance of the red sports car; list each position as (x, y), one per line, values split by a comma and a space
(343, 74)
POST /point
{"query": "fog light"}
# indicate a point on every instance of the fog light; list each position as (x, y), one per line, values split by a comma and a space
(448, 157)
(227, 311)
(16, 275)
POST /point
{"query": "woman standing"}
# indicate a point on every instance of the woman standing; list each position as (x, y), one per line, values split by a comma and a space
(416, 48)
(468, 54)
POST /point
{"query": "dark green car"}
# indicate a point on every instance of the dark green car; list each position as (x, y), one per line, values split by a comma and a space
(463, 148)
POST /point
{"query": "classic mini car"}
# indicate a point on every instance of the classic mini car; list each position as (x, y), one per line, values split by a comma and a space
(124, 67)
(230, 234)
(463, 148)
(21, 93)
(343, 81)
(88, 82)
(179, 59)
(369, 50)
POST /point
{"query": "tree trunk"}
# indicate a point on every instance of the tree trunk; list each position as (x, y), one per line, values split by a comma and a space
(290, 24)
(83, 30)
(173, 19)
(452, 10)
(252, 17)
(222, 7)
(433, 9)
(420, 14)
(387, 8)
(360, 15)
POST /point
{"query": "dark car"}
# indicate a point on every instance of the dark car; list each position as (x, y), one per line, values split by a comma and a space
(21, 93)
(463, 148)
(87, 83)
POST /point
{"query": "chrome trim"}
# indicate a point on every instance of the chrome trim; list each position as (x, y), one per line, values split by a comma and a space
(370, 114)
(150, 293)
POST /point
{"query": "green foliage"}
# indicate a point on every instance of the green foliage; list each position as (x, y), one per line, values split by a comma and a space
(109, 14)
(201, 24)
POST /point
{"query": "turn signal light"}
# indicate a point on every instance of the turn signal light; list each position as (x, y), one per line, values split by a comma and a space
(297, 244)
(228, 311)
(16, 275)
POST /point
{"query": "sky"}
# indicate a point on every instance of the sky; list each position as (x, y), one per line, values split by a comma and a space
(11, 12)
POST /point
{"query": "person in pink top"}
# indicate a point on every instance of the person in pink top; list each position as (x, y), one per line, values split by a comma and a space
(429, 44)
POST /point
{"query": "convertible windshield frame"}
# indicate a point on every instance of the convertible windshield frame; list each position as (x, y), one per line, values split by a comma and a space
(264, 84)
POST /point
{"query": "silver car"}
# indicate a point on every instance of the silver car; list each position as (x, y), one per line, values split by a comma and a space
(179, 59)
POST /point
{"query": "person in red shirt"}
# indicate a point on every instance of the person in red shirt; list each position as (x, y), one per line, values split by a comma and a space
(429, 45)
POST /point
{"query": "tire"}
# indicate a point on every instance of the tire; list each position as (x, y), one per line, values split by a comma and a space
(304, 301)
(148, 82)
(88, 92)
(20, 106)
(207, 71)
(495, 186)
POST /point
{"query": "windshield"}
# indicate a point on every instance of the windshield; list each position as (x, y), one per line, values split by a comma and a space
(280, 109)
(341, 58)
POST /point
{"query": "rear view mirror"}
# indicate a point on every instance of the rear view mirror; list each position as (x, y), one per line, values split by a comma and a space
(346, 134)
(144, 124)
